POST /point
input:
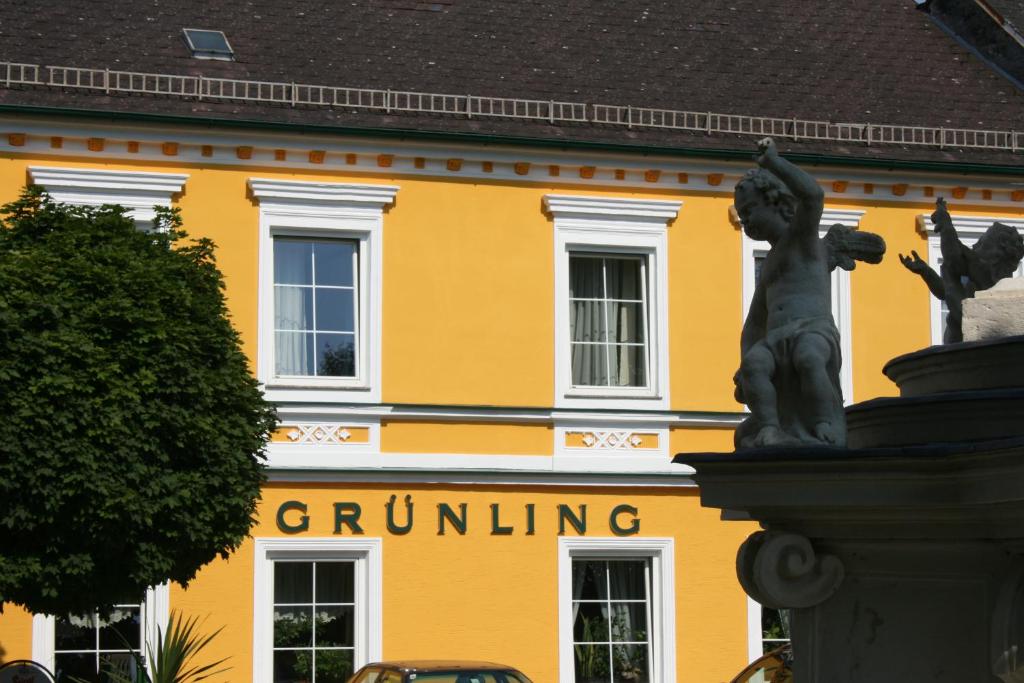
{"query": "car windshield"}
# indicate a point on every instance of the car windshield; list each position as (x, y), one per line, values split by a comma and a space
(470, 677)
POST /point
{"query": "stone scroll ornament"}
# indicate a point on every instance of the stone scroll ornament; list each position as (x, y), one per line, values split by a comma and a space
(781, 570)
(966, 270)
(789, 348)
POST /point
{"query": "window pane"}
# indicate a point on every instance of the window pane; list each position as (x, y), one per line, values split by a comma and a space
(590, 365)
(334, 263)
(624, 279)
(629, 622)
(591, 625)
(628, 579)
(335, 582)
(335, 310)
(586, 321)
(291, 666)
(77, 665)
(122, 662)
(336, 355)
(631, 663)
(628, 366)
(293, 626)
(293, 308)
(75, 633)
(293, 262)
(589, 581)
(333, 666)
(293, 582)
(585, 277)
(294, 353)
(626, 322)
(592, 663)
(120, 629)
(334, 627)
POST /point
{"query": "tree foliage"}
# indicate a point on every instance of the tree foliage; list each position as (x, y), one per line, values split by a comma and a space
(131, 430)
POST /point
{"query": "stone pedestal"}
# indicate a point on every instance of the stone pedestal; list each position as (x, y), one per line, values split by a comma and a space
(995, 313)
(901, 557)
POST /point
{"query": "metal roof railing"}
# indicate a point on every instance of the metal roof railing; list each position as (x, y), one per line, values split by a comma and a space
(470, 106)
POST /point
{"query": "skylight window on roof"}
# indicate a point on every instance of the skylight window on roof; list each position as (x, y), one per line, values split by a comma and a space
(206, 44)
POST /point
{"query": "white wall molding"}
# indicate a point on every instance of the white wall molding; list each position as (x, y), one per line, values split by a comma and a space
(374, 197)
(614, 480)
(288, 456)
(654, 211)
(335, 412)
(137, 191)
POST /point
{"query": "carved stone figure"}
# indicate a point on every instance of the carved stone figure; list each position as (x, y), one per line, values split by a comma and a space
(790, 358)
(966, 270)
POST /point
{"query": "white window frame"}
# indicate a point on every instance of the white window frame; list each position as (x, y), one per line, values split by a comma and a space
(969, 229)
(841, 306)
(137, 191)
(154, 616)
(368, 628)
(637, 227)
(316, 210)
(661, 553)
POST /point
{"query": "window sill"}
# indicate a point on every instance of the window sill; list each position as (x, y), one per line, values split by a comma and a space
(617, 400)
(310, 392)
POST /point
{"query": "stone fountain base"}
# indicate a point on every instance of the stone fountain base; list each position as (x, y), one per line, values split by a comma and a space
(902, 556)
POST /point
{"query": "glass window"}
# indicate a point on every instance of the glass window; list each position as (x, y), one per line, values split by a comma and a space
(316, 307)
(314, 613)
(611, 613)
(774, 628)
(85, 645)
(608, 320)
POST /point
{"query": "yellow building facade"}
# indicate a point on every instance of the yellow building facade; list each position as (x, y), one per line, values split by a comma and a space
(525, 337)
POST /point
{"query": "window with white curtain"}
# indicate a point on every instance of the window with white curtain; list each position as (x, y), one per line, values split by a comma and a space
(86, 645)
(611, 301)
(314, 615)
(616, 610)
(320, 285)
(83, 645)
(316, 307)
(608, 320)
(611, 606)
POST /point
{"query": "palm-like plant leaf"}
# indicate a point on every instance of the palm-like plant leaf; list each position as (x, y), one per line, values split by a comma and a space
(171, 658)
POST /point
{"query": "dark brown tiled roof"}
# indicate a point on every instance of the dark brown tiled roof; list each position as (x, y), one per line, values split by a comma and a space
(865, 61)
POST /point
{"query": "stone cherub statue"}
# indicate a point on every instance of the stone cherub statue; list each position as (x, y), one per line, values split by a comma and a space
(790, 358)
(966, 270)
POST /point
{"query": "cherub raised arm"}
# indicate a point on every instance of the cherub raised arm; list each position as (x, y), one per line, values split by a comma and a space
(965, 270)
(790, 359)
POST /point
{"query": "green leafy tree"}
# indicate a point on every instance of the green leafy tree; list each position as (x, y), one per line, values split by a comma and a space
(131, 430)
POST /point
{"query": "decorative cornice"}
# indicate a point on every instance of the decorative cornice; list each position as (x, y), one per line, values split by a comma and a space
(847, 217)
(369, 196)
(565, 206)
(358, 153)
(158, 185)
(969, 225)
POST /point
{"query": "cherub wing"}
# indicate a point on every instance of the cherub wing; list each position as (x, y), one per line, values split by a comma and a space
(846, 246)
